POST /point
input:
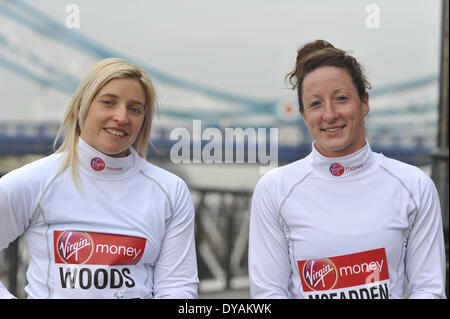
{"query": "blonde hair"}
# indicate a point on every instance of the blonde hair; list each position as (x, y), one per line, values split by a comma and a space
(100, 74)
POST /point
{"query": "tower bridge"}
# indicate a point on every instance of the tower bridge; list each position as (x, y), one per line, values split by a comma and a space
(402, 122)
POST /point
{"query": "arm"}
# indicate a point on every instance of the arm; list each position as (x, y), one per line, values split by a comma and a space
(19, 190)
(269, 264)
(10, 229)
(4, 293)
(175, 274)
(425, 255)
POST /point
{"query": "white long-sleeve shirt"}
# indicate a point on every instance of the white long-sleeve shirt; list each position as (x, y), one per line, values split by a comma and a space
(348, 227)
(128, 232)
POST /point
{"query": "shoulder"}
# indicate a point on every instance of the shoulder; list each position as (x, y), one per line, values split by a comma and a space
(407, 173)
(276, 184)
(26, 184)
(167, 180)
(287, 175)
(173, 189)
(39, 171)
(172, 186)
(410, 177)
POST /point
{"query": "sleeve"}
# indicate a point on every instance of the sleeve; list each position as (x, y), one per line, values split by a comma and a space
(4, 293)
(175, 275)
(269, 264)
(425, 254)
(13, 221)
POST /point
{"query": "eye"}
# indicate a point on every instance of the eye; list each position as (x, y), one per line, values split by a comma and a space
(136, 109)
(107, 102)
(314, 104)
(342, 98)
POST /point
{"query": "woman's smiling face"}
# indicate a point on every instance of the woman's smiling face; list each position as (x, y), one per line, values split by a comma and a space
(115, 116)
(333, 111)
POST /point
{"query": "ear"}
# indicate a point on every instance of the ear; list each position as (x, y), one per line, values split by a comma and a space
(302, 111)
(301, 108)
(365, 104)
(77, 112)
(303, 114)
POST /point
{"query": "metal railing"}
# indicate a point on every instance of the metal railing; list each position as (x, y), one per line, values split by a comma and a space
(222, 227)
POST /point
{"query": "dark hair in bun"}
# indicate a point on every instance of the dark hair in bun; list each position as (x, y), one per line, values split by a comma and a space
(320, 53)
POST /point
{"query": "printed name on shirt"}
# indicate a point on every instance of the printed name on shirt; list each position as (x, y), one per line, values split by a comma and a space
(362, 275)
(75, 248)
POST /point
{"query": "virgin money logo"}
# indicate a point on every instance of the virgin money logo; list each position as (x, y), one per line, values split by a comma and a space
(89, 248)
(336, 169)
(74, 247)
(347, 274)
(319, 274)
(97, 164)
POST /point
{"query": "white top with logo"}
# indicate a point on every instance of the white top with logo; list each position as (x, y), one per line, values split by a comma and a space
(351, 227)
(128, 232)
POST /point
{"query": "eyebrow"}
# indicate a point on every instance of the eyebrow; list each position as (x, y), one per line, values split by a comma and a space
(334, 92)
(115, 96)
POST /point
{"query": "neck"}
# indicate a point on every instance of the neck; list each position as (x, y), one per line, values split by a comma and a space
(100, 164)
(344, 166)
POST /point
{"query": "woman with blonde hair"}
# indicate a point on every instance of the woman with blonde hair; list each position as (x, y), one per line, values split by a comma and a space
(99, 220)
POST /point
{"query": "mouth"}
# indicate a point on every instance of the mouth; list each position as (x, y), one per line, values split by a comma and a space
(333, 129)
(115, 132)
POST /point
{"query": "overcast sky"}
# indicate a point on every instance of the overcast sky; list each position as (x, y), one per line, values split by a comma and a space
(247, 46)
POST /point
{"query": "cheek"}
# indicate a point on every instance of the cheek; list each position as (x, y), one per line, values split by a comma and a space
(87, 124)
(310, 122)
(138, 126)
(94, 117)
(361, 116)
(93, 124)
(312, 129)
(305, 119)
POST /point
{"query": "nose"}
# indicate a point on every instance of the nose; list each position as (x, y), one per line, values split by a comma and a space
(121, 115)
(330, 113)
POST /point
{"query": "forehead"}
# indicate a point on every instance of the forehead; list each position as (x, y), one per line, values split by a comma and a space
(326, 78)
(126, 88)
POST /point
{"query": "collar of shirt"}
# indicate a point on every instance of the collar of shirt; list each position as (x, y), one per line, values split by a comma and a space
(349, 166)
(100, 164)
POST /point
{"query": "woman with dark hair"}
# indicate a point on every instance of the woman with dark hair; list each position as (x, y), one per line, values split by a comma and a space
(344, 222)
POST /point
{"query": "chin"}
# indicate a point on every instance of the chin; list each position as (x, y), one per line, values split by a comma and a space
(334, 150)
(113, 152)
(333, 145)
